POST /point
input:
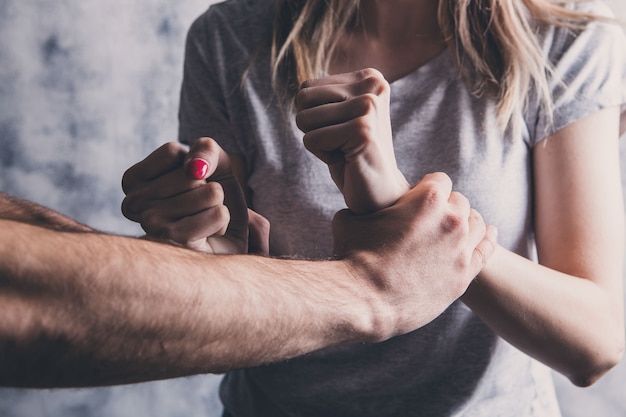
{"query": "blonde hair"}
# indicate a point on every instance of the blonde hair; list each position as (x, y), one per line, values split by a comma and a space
(493, 43)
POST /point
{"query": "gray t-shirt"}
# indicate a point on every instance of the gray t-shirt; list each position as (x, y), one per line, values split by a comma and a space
(454, 366)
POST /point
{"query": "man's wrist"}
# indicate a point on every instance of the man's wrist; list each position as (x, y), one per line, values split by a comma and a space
(373, 319)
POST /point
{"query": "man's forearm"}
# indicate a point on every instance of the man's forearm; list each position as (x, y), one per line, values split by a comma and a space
(80, 309)
(12, 208)
(92, 309)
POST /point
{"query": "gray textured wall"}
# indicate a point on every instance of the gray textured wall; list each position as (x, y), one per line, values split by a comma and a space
(88, 88)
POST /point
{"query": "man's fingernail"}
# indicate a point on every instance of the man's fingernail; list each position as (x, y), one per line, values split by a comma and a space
(197, 168)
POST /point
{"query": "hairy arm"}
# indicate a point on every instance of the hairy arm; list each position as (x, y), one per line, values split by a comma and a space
(83, 309)
(80, 309)
(567, 311)
(12, 208)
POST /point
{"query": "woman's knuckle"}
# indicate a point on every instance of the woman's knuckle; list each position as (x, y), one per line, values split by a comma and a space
(375, 83)
(151, 219)
(222, 215)
(263, 225)
(361, 127)
(213, 192)
(303, 120)
(127, 204)
(365, 104)
(368, 73)
(127, 181)
(154, 225)
(171, 232)
(309, 141)
(171, 148)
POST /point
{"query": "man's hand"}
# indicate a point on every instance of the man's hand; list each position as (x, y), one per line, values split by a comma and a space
(346, 123)
(419, 255)
(192, 198)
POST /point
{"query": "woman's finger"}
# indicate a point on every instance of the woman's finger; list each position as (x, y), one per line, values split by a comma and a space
(165, 187)
(336, 113)
(164, 159)
(326, 90)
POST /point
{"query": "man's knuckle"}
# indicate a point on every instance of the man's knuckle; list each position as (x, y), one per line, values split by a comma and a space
(432, 194)
(442, 177)
(453, 223)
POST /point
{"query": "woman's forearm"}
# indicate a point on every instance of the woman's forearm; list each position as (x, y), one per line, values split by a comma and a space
(569, 323)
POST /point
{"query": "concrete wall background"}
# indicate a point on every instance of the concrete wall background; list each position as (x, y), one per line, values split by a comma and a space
(87, 88)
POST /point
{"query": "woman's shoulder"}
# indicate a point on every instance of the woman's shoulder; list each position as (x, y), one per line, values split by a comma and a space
(237, 14)
(588, 67)
(233, 27)
(588, 39)
(595, 7)
(603, 25)
(240, 19)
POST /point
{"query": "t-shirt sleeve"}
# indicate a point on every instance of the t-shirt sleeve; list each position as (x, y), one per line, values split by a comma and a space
(589, 74)
(203, 108)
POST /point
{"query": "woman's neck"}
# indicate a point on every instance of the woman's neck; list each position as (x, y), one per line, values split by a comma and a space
(397, 22)
(393, 36)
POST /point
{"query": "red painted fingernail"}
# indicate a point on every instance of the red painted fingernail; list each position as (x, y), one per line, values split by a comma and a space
(197, 168)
